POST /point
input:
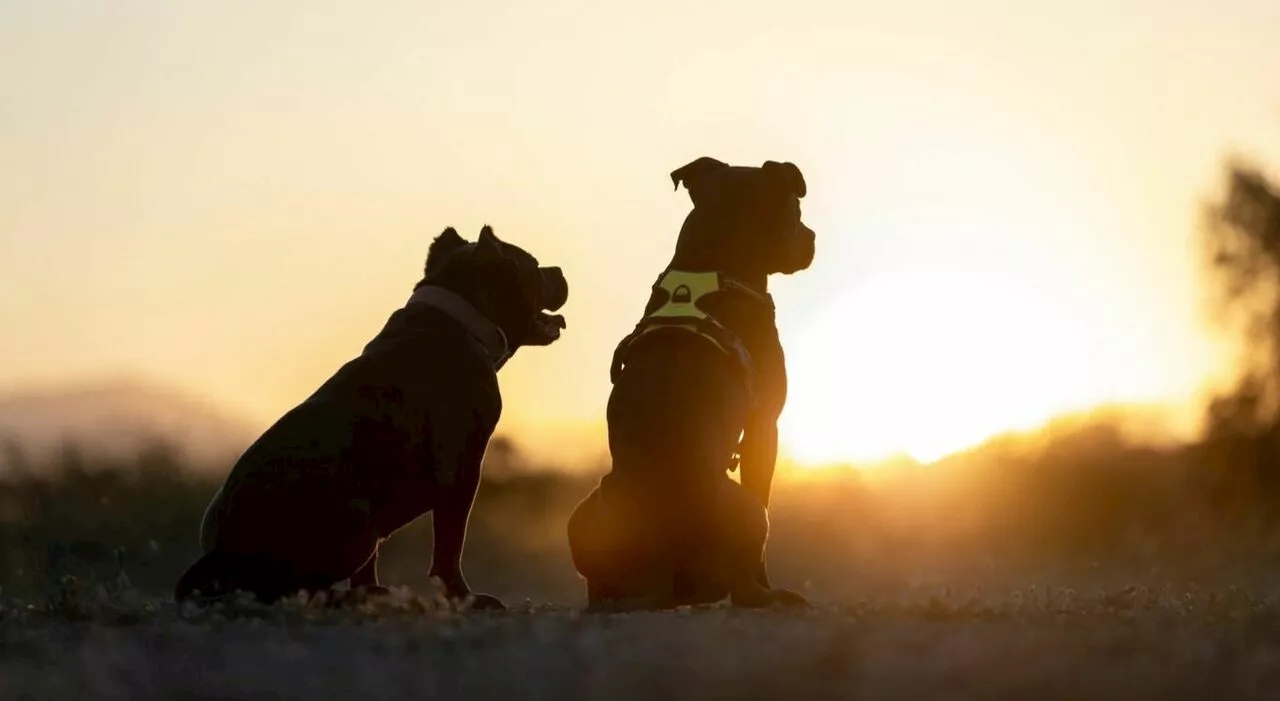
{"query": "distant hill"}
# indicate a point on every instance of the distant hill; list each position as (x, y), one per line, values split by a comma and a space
(119, 417)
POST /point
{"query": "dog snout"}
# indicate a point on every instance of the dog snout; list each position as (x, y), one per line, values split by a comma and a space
(555, 289)
(802, 248)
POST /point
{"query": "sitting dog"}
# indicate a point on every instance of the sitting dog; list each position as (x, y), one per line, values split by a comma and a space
(667, 526)
(398, 431)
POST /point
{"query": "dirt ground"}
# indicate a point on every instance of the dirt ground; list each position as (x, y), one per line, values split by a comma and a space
(1131, 643)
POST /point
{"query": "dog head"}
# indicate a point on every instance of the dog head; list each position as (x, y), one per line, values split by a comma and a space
(504, 282)
(744, 218)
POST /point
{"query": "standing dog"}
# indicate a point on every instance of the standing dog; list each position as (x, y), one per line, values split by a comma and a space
(398, 431)
(704, 368)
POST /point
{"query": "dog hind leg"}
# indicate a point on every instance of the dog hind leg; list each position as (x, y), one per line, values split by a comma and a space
(614, 550)
(219, 575)
(276, 554)
(732, 540)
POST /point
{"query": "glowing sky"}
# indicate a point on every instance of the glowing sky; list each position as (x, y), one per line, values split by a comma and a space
(232, 197)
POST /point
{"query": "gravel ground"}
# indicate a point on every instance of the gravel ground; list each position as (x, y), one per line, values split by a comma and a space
(1129, 644)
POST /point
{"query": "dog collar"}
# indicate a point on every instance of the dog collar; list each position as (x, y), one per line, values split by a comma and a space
(487, 334)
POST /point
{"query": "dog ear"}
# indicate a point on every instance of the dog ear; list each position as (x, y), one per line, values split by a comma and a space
(691, 173)
(447, 240)
(787, 175)
(488, 247)
(444, 244)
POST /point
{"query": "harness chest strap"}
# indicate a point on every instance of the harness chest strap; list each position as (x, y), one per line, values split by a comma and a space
(681, 311)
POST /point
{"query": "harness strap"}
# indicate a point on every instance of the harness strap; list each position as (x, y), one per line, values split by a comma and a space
(681, 311)
(729, 283)
(723, 340)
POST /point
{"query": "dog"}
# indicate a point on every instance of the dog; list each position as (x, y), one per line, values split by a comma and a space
(704, 368)
(397, 432)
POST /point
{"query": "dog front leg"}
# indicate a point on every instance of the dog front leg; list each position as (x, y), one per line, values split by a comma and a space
(758, 458)
(759, 455)
(366, 577)
(449, 521)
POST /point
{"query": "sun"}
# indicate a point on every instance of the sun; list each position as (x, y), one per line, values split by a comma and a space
(934, 358)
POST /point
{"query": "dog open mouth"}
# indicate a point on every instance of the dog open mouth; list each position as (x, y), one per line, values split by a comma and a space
(555, 292)
(547, 327)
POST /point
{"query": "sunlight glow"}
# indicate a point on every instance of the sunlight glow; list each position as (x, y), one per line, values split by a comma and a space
(937, 357)
(231, 198)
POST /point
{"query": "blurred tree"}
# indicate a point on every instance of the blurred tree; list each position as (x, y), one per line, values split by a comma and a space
(1242, 248)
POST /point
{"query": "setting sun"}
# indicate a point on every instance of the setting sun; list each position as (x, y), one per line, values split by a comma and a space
(960, 341)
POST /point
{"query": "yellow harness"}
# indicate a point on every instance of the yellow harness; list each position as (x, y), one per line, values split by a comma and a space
(681, 311)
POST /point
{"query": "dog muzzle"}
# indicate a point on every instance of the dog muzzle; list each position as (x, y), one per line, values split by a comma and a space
(555, 289)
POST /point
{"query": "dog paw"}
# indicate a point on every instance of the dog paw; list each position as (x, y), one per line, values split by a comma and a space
(485, 602)
(787, 599)
(757, 597)
(369, 591)
(751, 597)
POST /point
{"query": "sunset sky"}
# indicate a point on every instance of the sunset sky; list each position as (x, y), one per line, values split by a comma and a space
(231, 197)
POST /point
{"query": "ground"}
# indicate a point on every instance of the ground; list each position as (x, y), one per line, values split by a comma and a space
(1130, 643)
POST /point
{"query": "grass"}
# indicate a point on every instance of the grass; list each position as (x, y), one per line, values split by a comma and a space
(1084, 569)
(1032, 643)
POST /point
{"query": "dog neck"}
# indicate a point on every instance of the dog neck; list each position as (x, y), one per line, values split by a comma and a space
(761, 295)
(489, 336)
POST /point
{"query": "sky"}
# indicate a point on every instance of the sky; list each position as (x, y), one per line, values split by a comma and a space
(232, 197)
